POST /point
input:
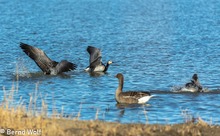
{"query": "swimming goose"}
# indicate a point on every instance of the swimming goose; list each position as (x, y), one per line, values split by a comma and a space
(130, 97)
(47, 65)
(95, 61)
(194, 85)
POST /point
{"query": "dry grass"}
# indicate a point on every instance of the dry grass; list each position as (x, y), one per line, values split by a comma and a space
(18, 120)
(18, 117)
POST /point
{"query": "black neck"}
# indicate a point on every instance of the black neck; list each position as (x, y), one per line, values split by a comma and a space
(106, 67)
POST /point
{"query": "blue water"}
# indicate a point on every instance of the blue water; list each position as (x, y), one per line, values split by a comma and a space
(155, 44)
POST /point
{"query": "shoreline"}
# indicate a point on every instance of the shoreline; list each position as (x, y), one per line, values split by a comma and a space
(19, 123)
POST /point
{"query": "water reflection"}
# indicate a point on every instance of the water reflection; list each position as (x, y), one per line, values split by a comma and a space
(39, 75)
(123, 107)
(97, 74)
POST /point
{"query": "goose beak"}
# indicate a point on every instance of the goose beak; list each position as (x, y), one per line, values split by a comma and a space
(116, 63)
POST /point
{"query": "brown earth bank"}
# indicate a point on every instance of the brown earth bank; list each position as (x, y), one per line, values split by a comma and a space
(16, 122)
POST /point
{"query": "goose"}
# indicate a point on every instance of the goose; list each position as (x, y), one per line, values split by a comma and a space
(130, 97)
(194, 85)
(48, 66)
(95, 61)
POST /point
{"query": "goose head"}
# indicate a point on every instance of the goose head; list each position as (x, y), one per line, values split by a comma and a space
(119, 76)
(109, 62)
(195, 77)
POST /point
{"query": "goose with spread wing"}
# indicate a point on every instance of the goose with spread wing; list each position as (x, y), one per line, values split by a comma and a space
(130, 97)
(47, 65)
(95, 61)
(194, 85)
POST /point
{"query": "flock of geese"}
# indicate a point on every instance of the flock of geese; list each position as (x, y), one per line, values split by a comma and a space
(51, 67)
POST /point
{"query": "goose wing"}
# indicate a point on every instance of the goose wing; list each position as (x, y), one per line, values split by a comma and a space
(40, 58)
(190, 84)
(135, 95)
(95, 63)
(65, 66)
(197, 83)
(95, 55)
(194, 85)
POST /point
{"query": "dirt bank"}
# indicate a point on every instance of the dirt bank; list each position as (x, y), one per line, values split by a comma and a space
(16, 122)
